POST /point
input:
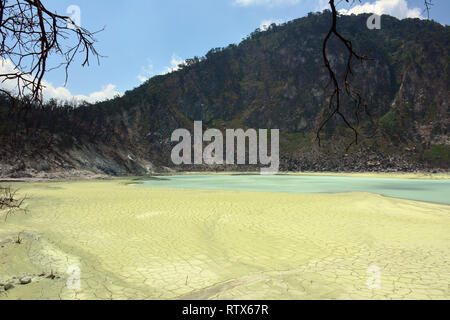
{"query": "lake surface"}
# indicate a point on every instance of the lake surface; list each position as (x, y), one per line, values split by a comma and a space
(437, 191)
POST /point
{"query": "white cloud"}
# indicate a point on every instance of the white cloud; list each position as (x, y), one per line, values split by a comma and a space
(396, 8)
(61, 93)
(148, 71)
(109, 91)
(265, 24)
(142, 78)
(175, 61)
(269, 3)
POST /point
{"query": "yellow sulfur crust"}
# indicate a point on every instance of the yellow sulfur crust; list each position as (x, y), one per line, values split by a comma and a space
(131, 242)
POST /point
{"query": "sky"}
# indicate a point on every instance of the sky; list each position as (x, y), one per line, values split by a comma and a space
(144, 38)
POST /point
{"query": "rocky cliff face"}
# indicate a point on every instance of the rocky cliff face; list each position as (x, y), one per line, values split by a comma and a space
(274, 79)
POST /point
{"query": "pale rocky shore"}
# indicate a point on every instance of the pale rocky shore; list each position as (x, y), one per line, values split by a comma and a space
(78, 175)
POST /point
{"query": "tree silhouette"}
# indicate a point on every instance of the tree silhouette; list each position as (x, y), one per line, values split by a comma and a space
(335, 99)
(30, 34)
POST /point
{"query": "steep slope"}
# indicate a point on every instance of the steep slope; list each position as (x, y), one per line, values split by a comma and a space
(276, 79)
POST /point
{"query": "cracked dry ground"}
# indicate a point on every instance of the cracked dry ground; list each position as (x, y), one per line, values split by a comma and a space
(132, 242)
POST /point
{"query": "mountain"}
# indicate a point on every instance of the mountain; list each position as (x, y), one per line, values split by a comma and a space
(272, 79)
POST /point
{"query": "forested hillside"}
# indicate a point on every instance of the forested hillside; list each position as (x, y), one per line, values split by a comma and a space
(272, 79)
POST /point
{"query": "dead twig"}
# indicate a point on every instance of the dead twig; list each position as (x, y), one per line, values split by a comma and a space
(10, 202)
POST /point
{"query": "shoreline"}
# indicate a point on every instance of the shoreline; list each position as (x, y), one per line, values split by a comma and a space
(390, 175)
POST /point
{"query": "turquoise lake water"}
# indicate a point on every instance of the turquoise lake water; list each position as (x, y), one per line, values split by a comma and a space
(413, 189)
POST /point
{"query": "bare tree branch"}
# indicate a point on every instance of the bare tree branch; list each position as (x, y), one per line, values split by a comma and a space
(428, 5)
(30, 33)
(335, 99)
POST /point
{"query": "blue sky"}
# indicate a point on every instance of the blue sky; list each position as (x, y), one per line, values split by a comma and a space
(143, 38)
